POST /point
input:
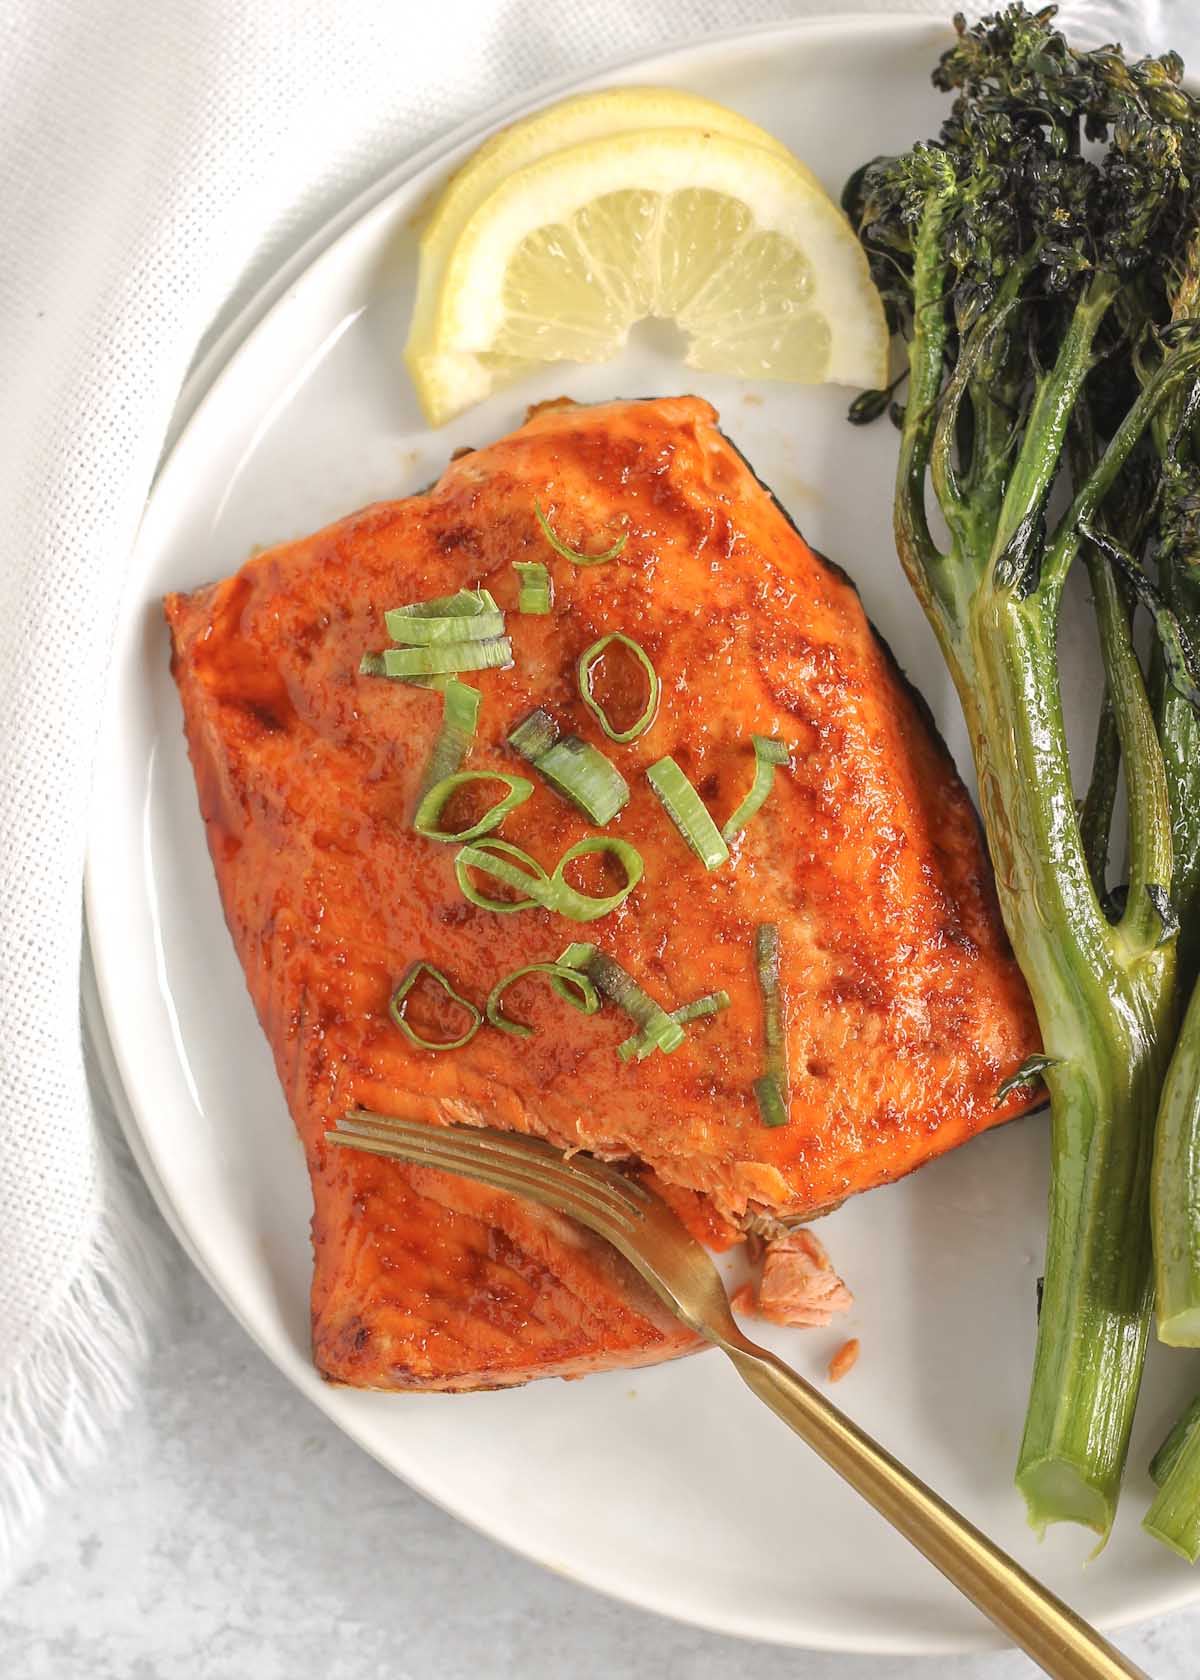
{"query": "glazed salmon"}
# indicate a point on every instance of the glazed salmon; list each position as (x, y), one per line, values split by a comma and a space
(903, 1008)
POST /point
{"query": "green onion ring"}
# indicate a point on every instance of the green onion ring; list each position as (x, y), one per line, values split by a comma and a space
(577, 955)
(687, 811)
(429, 632)
(535, 593)
(712, 1003)
(768, 753)
(580, 772)
(656, 1029)
(375, 665)
(549, 892)
(566, 900)
(573, 767)
(587, 1002)
(440, 658)
(532, 736)
(573, 554)
(460, 718)
(464, 603)
(399, 1001)
(488, 856)
(588, 659)
(434, 803)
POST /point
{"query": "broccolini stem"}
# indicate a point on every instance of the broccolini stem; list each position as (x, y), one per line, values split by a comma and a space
(1127, 716)
(1167, 1456)
(1176, 370)
(1017, 538)
(1174, 1517)
(1103, 1015)
(972, 516)
(970, 497)
(995, 397)
(1179, 735)
(1175, 1190)
(923, 561)
(1103, 1024)
(1140, 927)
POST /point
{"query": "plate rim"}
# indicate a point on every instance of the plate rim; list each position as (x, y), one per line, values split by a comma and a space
(99, 1003)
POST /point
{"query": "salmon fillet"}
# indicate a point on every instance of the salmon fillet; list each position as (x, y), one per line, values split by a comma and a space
(903, 1006)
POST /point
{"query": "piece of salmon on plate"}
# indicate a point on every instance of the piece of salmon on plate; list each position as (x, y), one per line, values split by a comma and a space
(770, 974)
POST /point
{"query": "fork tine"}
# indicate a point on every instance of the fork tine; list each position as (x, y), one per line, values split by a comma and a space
(475, 1145)
(610, 1218)
(416, 1155)
(609, 1223)
(518, 1144)
(528, 1155)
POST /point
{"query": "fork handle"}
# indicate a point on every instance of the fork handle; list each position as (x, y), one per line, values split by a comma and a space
(1059, 1641)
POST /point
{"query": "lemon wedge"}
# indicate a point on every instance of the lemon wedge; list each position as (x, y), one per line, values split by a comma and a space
(722, 235)
(571, 122)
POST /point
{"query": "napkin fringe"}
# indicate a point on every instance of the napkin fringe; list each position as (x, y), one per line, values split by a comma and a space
(60, 1403)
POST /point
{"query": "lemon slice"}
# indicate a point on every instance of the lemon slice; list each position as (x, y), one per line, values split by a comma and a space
(724, 236)
(572, 122)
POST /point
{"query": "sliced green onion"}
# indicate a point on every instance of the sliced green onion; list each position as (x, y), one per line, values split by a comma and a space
(536, 592)
(460, 718)
(582, 774)
(463, 604)
(772, 1089)
(534, 735)
(435, 801)
(488, 856)
(766, 963)
(375, 665)
(656, 1029)
(444, 657)
(573, 554)
(398, 1006)
(372, 665)
(553, 892)
(576, 955)
(470, 615)
(772, 1107)
(768, 753)
(428, 632)
(566, 900)
(587, 1002)
(587, 661)
(686, 810)
(711, 1004)
(647, 1040)
(574, 768)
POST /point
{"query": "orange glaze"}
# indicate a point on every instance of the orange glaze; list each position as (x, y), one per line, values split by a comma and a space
(904, 1007)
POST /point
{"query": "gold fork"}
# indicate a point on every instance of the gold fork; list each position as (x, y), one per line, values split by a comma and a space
(641, 1226)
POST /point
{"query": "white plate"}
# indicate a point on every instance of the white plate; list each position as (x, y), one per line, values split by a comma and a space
(671, 1487)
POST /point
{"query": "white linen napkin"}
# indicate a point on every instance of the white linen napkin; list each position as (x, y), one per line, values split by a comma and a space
(157, 161)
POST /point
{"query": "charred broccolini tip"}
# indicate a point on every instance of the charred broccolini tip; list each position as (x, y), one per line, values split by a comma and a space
(1039, 258)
